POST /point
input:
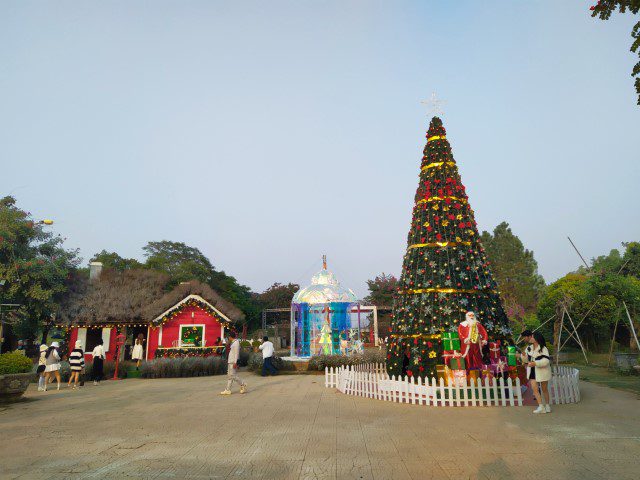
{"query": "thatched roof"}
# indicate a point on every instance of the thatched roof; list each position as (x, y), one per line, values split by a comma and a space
(133, 296)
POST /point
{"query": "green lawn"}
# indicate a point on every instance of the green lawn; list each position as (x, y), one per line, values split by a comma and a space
(597, 372)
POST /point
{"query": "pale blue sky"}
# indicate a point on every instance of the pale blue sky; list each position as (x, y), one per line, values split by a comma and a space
(269, 133)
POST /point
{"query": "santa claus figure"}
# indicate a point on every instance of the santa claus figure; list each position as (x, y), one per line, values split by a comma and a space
(473, 337)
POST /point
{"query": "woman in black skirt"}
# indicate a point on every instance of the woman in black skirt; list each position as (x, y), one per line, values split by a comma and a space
(97, 369)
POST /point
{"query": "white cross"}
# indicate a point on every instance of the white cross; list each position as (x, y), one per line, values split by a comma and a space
(434, 106)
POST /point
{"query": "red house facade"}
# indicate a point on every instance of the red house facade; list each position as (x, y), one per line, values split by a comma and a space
(188, 319)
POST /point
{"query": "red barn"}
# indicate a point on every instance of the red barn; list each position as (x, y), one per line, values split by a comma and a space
(136, 303)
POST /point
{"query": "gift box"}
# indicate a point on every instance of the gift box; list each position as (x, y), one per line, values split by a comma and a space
(494, 350)
(511, 356)
(447, 355)
(460, 378)
(457, 362)
(499, 366)
(450, 341)
(487, 374)
(444, 372)
(475, 375)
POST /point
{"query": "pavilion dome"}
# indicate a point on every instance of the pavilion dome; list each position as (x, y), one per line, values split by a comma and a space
(324, 288)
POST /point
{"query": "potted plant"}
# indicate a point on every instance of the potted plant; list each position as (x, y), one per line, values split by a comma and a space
(15, 375)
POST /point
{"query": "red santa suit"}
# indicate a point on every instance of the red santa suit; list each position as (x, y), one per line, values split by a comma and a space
(472, 337)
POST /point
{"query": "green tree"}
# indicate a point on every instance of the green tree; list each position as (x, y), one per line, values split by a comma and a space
(183, 263)
(445, 272)
(115, 261)
(631, 259)
(605, 8)
(596, 297)
(515, 270)
(381, 290)
(35, 268)
(278, 295)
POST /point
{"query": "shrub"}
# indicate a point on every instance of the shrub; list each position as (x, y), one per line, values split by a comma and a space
(243, 359)
(319, 362)
(14, 362)
(183, 367)
(255, 363)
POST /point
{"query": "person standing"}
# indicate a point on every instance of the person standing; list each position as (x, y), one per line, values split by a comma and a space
(267, 357)
(52, 361)
(137, 353)
(42, 364)
(539, 371)
(97, 369)
(76, 362)
(232, 366)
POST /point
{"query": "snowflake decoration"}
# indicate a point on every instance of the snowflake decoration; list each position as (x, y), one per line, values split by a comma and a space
(442, 296)
(427, 309)
(447, 283)
(447, 310)
(464, 301)
(432, 264)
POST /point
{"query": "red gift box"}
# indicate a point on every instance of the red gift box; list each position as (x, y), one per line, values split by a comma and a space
(494, 350)
(447, 355)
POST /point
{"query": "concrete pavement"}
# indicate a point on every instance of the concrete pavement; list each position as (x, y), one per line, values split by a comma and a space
(291, 427)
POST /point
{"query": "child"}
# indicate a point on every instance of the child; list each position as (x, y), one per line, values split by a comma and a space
(42, 364)
(76, 362)
(52, 361)
(137, 353)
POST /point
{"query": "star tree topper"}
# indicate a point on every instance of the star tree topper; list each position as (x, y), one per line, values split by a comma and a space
(434, 105)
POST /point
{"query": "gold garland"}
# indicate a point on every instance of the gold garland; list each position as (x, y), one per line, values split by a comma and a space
(437, 164)
(436, 137)
(441, 290)
(417, 335)
(438, 244)
(435, 199)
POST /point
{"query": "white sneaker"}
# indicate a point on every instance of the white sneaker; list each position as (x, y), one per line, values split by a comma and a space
(547, 408)
(95, 383)
(540, 409)
(225, 392)
(243, 389)
(41, 389)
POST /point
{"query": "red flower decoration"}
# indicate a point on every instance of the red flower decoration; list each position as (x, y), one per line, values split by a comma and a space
(438, 236)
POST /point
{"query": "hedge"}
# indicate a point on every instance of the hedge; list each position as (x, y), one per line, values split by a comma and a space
(183, 367)
(255, 364)
(14, 362)
(319, 362)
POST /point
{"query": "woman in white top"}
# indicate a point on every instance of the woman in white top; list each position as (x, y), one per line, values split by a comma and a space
(42, 364)
(52, 368)
(97, 369)
(137, 354)
(539, 371)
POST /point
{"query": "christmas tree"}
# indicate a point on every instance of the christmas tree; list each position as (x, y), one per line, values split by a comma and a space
(445, 272)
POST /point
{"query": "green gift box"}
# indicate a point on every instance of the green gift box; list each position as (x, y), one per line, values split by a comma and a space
(450, 341)
(457, 363)
(511, 356)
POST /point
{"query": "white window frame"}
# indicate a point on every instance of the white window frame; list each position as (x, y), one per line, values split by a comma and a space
(190, 325)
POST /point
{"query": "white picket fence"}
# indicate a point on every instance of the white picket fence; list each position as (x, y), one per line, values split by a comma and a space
(372, 381)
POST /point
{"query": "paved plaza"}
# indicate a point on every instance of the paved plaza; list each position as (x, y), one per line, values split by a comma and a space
(291, 427)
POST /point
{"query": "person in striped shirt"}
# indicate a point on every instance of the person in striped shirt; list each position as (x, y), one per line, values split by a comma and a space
(76, 362)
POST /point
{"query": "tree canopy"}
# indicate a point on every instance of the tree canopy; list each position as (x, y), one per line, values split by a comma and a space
(515, 270)
(604, 9)
(35, 267)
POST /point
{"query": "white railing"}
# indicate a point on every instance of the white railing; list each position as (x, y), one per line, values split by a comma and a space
(372, 381)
